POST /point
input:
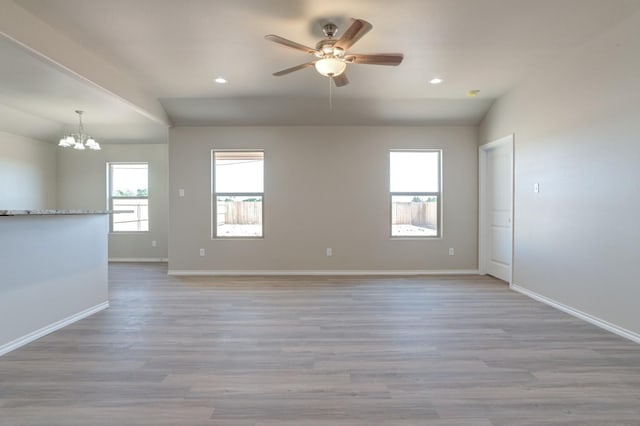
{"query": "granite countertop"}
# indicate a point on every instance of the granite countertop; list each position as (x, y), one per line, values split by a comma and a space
(56, 212)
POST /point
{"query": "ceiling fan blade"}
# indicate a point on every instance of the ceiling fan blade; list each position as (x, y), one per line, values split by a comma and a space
(292, 69)
(354, 33)
(375, 59)
(341, 80)
(288, 43)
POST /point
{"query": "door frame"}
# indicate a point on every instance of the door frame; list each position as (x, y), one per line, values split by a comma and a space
(484, 249)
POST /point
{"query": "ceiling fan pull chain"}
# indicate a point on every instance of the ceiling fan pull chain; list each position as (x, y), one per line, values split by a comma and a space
(330, 94)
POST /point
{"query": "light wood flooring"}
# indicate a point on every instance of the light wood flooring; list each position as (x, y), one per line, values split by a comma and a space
(448, 351)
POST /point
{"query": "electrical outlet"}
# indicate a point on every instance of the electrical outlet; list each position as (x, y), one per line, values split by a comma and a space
(154, 243)
(452, 251)
(180, 192)
(329, 252)
(202, 252)
(536, 187)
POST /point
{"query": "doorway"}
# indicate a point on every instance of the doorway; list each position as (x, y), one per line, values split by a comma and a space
(496, 208)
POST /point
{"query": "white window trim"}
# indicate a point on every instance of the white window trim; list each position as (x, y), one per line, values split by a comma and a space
(215, 195)
(438, 196)
(110, 198)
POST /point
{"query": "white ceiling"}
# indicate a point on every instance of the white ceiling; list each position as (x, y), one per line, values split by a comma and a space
(117, 59)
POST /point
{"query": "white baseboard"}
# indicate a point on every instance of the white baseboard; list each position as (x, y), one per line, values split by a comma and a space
(623, 332)
(21, 341)
(137, 259)
(305, 272)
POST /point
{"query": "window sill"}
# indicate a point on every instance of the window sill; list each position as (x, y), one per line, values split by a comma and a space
(128, 232)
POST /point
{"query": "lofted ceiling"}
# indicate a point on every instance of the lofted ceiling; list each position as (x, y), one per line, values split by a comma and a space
(139, 66)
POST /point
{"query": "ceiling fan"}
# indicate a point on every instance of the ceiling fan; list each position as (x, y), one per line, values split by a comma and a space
(331, 53)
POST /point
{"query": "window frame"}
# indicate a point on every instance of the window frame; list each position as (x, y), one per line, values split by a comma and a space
(111, 198)
(215, 195)
(437, 195)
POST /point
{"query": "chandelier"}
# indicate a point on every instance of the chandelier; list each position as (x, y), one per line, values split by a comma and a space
(79, 140)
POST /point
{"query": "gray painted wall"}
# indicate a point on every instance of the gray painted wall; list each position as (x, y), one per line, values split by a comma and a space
(82, 184)
(324, 187)
(27, 173)
(577, 133)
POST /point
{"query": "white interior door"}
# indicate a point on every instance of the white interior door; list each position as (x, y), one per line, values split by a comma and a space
(496, 201)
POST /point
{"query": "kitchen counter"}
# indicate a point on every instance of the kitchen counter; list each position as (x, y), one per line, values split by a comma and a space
(53, 271)
(52, 212)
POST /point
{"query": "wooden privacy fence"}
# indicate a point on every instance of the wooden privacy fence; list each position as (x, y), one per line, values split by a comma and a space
(416, 213)
(239, 212)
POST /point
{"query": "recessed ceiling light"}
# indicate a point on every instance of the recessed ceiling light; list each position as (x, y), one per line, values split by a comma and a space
(220, 80)
(436, 80)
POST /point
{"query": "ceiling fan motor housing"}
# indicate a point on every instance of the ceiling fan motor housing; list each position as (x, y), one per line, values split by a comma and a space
(330, 29)
(325, 48)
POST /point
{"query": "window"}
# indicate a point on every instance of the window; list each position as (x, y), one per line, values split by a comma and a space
(129, 190)
(415, 193)
(238, 193)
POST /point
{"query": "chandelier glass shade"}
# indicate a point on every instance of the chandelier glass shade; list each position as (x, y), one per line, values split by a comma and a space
(330, 67)
(80, 140)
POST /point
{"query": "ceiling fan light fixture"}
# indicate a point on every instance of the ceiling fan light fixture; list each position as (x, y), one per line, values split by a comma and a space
(330, 67)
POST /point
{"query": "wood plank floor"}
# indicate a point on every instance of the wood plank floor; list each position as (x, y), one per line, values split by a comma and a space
(320, 351)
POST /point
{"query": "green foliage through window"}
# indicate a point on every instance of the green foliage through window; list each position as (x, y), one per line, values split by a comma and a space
(130, 193)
